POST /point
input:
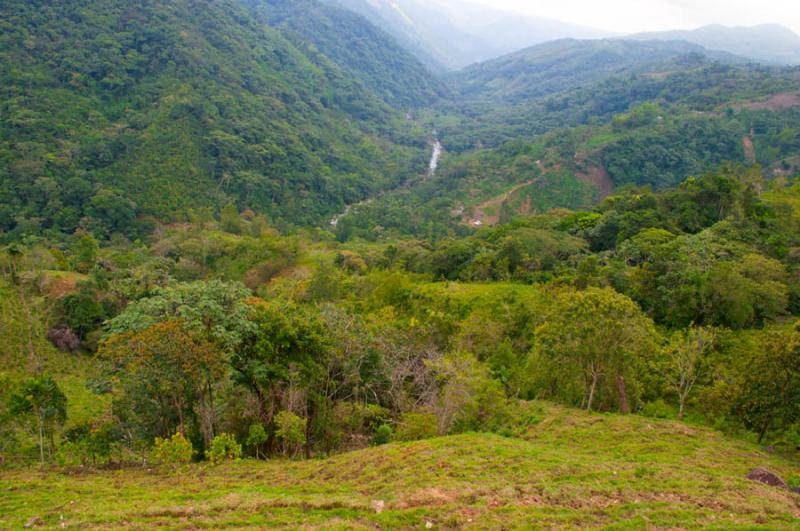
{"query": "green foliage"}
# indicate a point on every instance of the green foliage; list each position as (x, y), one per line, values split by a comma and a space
(416, 426)
(85, 253)
(769, 392)
(82, 312)
(39, 403)
(592, 347)
(173, 451)
(224, 447)
(87, 441)
(256, 438)
(129, 111)
(364, 52)
(291, 430)
(215, 310)
(383, 435)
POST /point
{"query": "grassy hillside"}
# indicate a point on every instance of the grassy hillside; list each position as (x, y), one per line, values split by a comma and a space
(566, 469)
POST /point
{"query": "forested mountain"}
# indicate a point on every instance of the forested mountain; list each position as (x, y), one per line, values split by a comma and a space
(769, 43)
(450, 34)
(114, 112)
(572, 148)
(566, 64)
(363, 51)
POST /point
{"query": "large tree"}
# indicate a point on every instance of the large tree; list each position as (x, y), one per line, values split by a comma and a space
(41, 404)
(598, 336)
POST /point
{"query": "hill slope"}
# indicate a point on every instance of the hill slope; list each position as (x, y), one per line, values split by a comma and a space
(567, 64)
(114, 111)
(363, 51)
(770, 43)
(568, 469)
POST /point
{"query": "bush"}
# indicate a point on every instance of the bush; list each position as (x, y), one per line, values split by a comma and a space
(291, 430)
(658, 409)
(416, 426)
(383, 435)
(256, 437)
(224, 448)
(174, 450)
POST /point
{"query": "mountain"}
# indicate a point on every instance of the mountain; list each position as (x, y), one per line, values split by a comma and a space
(362, 50)
(768, 43)
(565, 64)
(450, 34)
(114, 112)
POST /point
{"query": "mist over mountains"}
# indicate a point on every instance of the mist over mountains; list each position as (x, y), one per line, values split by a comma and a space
(769, 43)
(449, 34)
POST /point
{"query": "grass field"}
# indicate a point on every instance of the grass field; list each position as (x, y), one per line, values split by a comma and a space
(569, 469)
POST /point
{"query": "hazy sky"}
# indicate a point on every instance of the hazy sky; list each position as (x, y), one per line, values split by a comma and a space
(627, 16)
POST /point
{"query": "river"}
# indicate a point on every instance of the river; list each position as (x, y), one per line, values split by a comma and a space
(433, 165)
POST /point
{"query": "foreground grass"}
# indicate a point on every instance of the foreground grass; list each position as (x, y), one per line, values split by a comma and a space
(569, 470)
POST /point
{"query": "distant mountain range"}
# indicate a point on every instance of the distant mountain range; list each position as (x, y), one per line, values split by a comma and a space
(564, 64)
(450, 34)
(769, 43)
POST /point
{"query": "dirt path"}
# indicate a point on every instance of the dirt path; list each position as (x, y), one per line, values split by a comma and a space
(598, 177)
(749, 149)
(479, 212)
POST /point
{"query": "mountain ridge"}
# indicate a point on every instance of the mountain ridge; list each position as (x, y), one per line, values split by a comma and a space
(772, 43)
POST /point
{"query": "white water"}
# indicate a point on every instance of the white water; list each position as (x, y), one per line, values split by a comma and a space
(435, 156)
(432, 167)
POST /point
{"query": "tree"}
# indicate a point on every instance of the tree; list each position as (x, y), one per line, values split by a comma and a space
(291, 430)
(598, 333)
(769, 392)
(685, 361)
(283, 359)
(468, 397)
(256, 438)
(85, 253)
(215, 310)
(40, 402)
(169, 366)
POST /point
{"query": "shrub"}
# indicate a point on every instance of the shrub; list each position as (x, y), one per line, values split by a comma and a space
(383, 435)
(416, 426)
(224, 448)
(658, 409)
(291, 430)
(174, 450)
(256, 438)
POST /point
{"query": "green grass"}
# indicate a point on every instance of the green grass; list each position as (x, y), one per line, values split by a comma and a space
(570, 469)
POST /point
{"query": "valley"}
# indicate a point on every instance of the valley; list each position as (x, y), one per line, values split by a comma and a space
(395, 264)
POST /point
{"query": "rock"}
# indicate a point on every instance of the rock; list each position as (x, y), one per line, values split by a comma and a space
(428, 525)
(378, 506)
(34, 522)
(63, 338)
(762, 475)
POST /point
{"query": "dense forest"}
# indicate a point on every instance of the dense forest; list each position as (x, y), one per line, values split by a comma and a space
(220, 238)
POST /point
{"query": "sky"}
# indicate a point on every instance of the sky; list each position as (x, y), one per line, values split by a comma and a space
(630, 16)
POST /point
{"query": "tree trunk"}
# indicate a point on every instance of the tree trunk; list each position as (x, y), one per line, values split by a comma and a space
(41, 438)
(624, 406)
(595, 377)
(681, 406)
